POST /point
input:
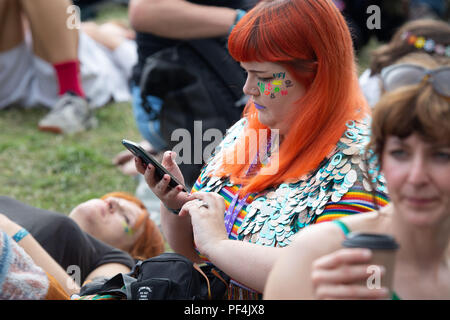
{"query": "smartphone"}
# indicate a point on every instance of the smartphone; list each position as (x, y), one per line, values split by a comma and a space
(147, 159)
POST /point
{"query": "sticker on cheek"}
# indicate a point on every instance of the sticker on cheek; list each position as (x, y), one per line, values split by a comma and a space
(127, 228)
(277, 82)
(280, 75)
(261, 86)
(269, 89)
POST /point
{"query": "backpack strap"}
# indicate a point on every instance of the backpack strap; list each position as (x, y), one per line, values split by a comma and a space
(216, 273)
(216, 55)
(197, 267)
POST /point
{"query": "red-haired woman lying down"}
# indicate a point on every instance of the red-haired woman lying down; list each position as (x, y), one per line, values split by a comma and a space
(101, 237)
(295, 157)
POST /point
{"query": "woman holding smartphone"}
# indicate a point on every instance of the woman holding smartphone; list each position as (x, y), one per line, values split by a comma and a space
(292, 160)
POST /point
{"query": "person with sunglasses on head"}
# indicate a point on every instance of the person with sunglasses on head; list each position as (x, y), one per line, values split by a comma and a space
(403, 74)
(102, 237)
(429, 36)
(293, 159)
(411, 140)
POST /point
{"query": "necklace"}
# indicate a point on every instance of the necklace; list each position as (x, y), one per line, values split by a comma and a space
(233, 210)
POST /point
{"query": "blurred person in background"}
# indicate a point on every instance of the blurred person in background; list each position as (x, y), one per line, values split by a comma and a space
(102, 236)
(426, 36)
(48, 58)
(411, 140)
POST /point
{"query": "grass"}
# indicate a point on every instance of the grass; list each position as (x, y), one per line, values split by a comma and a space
(57, 172)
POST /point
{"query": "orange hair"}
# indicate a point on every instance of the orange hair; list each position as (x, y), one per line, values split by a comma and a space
(151, 242)
(310, 38)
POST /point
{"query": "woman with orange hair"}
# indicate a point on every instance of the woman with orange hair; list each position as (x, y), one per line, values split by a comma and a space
(295, 157)
(100, 237)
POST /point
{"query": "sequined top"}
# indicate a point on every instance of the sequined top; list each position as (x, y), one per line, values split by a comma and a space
(340, 186)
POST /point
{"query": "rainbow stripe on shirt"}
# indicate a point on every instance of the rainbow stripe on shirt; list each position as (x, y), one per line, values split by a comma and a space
(356, 200)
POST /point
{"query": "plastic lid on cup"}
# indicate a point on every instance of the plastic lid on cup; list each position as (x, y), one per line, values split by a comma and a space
(370, 241)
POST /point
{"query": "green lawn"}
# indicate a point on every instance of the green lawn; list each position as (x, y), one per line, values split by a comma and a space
(57, 172)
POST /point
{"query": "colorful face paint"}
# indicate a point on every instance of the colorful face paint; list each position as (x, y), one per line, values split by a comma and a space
(280, 75)
(277, 82)
(276, 86)
(127, 228)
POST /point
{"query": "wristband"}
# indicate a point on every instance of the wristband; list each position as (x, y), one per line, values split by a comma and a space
(239, 14)
(174, 211)
(22, 233)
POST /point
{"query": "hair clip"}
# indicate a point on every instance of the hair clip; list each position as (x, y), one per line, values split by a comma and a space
(429, 45)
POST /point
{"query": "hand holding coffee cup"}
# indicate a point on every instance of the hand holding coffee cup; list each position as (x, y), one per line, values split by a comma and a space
(384, 248)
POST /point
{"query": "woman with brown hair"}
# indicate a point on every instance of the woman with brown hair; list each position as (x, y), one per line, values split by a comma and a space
(291, 161)
(411, 140)
(426, 35)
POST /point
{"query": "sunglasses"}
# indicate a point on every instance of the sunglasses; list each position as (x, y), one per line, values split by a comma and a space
(401, 75)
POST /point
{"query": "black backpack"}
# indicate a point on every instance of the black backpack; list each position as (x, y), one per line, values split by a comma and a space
(169, 276)
(197, 80)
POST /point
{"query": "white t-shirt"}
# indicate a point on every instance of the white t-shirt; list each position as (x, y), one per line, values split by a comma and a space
(371, 87)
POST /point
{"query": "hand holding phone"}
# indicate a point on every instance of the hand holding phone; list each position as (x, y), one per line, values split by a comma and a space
(147, 159)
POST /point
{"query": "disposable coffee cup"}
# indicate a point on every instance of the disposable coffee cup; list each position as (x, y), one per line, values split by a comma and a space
(384, 248)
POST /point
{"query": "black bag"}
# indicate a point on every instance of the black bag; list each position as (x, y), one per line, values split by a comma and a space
(197, 80)
(169, 276)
